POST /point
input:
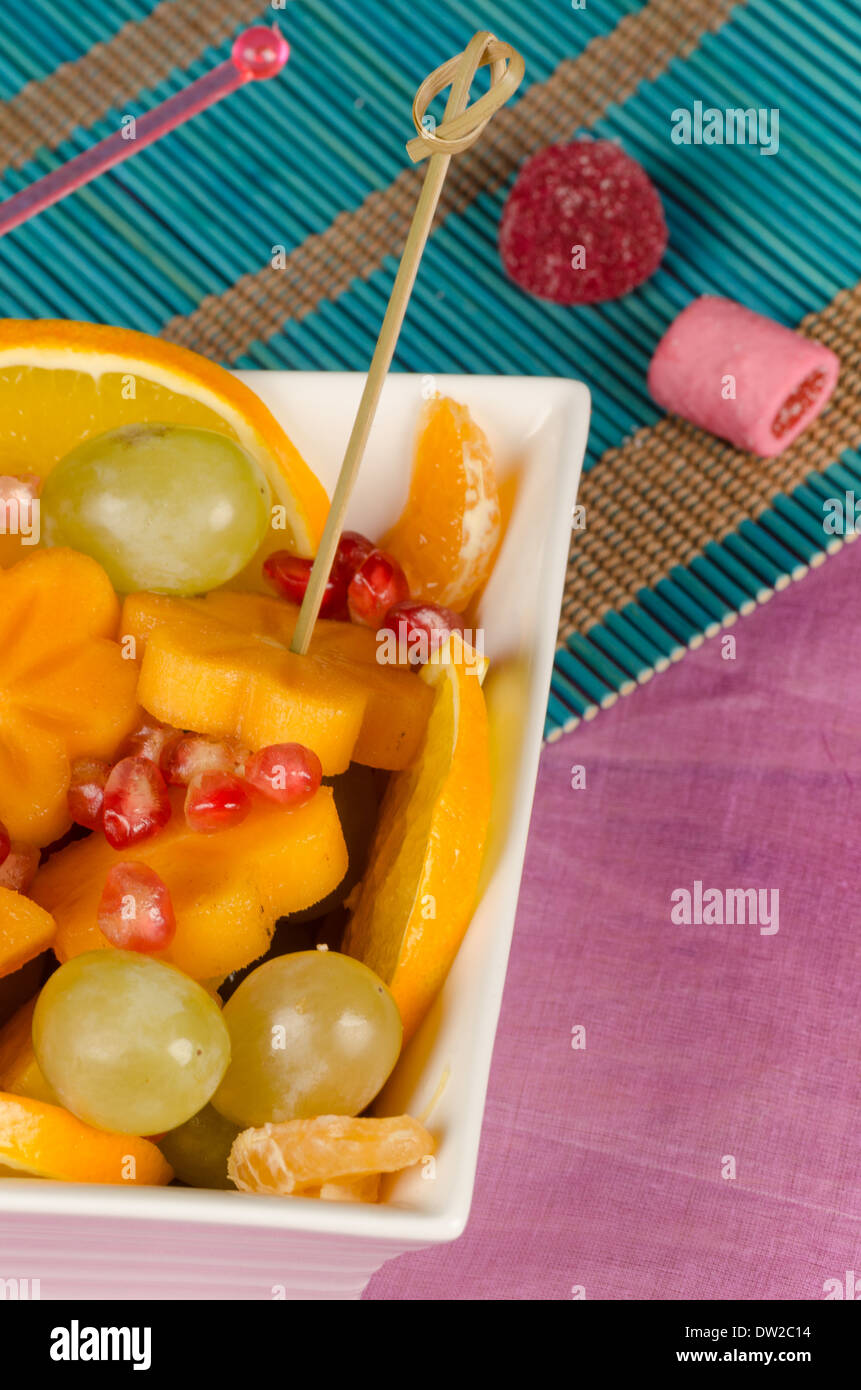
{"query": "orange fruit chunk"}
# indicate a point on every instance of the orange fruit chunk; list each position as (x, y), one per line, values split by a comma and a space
(65, 689)
(26, 930)
(297, 1157)
(217, 680)
(63, 382)
(227, 889)
(20, 1073)
(342, 658)
(447, 535)
(416, 898)
(45, 1141)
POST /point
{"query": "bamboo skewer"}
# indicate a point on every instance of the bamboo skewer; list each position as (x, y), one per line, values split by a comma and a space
(461, 126)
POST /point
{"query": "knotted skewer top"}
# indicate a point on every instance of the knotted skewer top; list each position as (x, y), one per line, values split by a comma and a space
(457, 132)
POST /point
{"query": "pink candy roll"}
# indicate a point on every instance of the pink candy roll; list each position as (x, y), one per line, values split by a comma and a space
(741, 376)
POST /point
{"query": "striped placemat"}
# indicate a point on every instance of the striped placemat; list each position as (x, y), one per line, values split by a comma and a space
(682, 534)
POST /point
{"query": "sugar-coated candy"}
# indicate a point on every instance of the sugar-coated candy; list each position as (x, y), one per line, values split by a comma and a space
(583, 223)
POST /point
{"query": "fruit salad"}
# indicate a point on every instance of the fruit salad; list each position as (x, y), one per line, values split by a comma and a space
(232, 878)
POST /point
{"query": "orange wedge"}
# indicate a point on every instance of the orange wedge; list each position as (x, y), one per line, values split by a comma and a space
(416, 899)
(62, 382)
(45, 1141)
(447, 536)
(25, 930)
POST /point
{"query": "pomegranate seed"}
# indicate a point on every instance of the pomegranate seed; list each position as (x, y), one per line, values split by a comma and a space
(290, 574)
(5, 843)
(193, 754)
(378, 584)
(18, 869)
(420, 629)
(287, 573)
(150, 741)
(135, 911)
(87, 791)
(353, 549)
(216, 801)
(136, 804)
(287, 773)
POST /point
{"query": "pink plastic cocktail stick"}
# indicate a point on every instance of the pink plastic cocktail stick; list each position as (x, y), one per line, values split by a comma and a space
(257, 53)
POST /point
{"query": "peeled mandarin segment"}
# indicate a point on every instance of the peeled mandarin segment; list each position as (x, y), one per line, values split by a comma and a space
(46, 1141)
(349, 1190)
(416, 899)
(397, 706)
(66, 690)
(219, 681)
(61, 382)
(287, 1159)
(26, 930)
(448, 533)
(20, 1073)
(228, 889)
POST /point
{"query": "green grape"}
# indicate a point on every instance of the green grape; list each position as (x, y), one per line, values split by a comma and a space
(197, 1151)
(128, 1043)
(313, 1033)
(161, 507)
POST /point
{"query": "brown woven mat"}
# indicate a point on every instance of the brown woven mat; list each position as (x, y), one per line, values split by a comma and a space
(657, 500)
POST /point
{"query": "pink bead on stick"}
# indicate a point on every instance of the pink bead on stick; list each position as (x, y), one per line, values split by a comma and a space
(258, 53)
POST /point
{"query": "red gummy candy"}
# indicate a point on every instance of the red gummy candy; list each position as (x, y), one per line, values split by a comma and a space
(588, 195)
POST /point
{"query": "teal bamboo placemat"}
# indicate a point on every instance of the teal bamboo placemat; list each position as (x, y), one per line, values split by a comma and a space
(180, 241)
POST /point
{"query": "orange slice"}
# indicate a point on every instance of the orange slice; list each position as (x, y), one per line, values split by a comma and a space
(416, 899)
(25, 930)
(448, 533)
(20, 1073)
(299, 1158)
(62, 382)
(45, 1141)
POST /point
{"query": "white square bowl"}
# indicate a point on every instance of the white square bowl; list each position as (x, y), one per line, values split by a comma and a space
(83, 1242)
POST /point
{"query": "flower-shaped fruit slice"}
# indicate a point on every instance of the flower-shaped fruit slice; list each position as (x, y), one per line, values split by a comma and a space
(65, 690)
(264, 694)
(227, 890)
